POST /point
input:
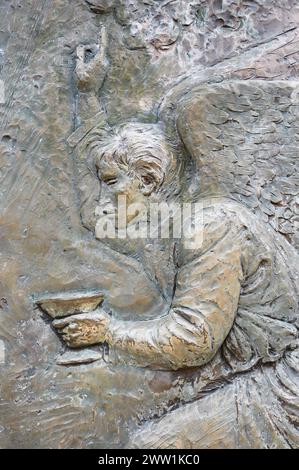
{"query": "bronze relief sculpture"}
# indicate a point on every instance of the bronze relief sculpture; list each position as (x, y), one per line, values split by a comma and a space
(150, 226)
(233, 312)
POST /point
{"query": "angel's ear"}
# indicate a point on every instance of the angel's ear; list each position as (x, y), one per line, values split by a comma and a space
(148, 184)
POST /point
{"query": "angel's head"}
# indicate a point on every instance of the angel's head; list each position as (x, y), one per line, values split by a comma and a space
(136, 160)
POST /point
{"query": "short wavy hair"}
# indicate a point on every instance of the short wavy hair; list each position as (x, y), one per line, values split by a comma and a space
(142, 149)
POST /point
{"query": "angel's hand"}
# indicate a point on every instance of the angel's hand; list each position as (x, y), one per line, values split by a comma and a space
(90, 74)
(84, 329)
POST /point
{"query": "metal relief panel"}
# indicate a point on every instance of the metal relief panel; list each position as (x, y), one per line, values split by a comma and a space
(149, 224)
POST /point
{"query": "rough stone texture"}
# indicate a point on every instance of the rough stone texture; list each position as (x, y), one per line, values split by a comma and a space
(179, 62)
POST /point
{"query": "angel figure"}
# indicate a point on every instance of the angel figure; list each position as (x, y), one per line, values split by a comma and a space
(233, 310)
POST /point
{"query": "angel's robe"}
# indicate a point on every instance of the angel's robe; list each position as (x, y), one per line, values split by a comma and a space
(235, 310)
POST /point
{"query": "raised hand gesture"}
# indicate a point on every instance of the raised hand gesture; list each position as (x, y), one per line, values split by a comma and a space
(91, 64)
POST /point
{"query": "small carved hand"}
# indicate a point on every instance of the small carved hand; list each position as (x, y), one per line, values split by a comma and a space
(84, 329)
(90, 74)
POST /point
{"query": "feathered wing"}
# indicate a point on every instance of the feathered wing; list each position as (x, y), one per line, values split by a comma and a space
(244, 139)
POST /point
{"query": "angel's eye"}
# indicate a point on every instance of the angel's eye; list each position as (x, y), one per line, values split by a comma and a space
(110, 181)
(147, 179)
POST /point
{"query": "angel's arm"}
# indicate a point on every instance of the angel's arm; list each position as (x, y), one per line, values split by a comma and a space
(90, 72)
(201, 315)
(190, 334)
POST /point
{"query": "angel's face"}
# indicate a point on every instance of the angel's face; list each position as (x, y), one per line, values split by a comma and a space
(119, 187)
(131, 165)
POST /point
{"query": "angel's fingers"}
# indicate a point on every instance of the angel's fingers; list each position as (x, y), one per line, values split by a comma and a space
(70, 336)
(65, 331)
(73, 327)
(81, 317)
(61, 323)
